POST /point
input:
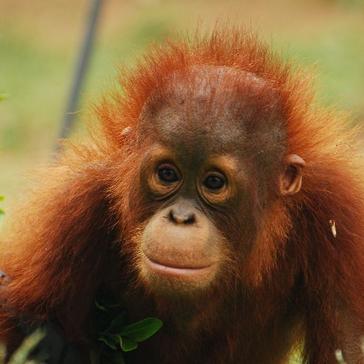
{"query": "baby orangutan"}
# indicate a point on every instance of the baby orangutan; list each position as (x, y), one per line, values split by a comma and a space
(216, 198)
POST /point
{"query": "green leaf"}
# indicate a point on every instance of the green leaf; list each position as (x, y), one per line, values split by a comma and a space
(100, 307)
(117, 324)
(142, 330)
(2, 198)
(2, 212)
(107, 303)
(28, 345)
(110, 340)
(3, 97)
(127, 344)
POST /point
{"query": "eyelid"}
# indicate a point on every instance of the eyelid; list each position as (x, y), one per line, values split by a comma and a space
(216, 173)
(167, 164)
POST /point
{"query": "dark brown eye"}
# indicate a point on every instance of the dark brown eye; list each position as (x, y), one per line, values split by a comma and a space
(214, 182)
(167, 174)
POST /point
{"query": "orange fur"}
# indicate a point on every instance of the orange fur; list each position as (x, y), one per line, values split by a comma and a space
(74, 236)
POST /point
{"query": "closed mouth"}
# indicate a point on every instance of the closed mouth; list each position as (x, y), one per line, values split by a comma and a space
(177, 270)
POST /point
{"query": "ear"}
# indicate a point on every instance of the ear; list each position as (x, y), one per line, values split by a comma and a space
(290, 179)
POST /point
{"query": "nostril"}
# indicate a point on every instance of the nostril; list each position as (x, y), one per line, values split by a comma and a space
(171, 216)
(181, 218)
(190, 219)
(175, 217)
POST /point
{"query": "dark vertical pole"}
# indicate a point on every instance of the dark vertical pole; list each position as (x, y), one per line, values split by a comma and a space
(80, 70)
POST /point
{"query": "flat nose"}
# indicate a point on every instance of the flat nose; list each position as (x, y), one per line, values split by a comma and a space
(178, 216)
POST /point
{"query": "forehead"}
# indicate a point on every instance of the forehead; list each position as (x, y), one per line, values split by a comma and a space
(209, 109)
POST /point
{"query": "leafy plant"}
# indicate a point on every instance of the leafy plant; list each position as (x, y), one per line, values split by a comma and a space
(127, 337)
(118, 336)
(21, 355)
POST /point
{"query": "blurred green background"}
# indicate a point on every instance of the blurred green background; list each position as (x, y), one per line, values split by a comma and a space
(40, 40)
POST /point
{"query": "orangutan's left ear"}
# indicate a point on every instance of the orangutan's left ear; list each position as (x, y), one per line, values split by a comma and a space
(290, 179)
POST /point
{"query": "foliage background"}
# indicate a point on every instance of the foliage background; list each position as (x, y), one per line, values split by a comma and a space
(39, 41)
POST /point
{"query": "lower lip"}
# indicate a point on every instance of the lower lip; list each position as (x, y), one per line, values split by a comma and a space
(176, 271)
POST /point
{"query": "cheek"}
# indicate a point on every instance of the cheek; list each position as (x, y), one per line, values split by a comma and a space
(239, 228)
(248, 217)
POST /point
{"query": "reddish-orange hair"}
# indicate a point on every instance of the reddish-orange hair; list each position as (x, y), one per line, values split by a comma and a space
(67, 239)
